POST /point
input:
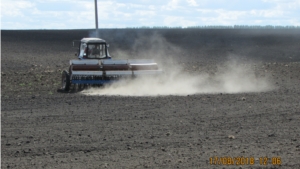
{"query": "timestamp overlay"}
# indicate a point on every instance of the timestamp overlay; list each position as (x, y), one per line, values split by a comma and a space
(228, 160)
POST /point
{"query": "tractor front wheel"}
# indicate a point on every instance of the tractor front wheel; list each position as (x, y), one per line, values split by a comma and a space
(65, 81)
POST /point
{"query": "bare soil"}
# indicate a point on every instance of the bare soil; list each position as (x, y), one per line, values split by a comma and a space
(44, 128)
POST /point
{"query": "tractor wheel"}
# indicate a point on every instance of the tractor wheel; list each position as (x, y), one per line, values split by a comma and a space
(65, 81)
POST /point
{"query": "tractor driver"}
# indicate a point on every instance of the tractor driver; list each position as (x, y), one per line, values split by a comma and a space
(90, 51)
(93, 50)
(96, 50)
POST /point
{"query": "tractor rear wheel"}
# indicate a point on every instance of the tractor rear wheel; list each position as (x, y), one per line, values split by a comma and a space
(65, 81)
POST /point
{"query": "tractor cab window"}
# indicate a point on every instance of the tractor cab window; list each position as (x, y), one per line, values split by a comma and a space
(96, 51)
(83, 53)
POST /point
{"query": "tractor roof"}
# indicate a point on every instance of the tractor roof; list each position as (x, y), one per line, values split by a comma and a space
(92, 40)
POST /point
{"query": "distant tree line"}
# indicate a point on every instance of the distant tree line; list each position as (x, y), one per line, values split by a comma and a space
(219, 27)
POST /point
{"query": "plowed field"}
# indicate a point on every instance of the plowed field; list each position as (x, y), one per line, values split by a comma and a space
(255, 115)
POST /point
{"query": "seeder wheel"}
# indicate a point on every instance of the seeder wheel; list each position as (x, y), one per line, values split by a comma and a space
(65, 81)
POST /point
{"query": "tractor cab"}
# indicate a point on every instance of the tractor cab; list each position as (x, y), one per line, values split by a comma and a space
(92, 48)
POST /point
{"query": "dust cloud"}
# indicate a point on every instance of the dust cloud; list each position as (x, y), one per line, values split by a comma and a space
(229, 78)
(232, 76)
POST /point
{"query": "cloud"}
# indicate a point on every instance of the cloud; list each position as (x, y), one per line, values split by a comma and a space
(15, 8)
(70, 14)
(192, 2)
(172, 5)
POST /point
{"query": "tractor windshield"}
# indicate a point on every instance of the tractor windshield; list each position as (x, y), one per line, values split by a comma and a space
(96, 51)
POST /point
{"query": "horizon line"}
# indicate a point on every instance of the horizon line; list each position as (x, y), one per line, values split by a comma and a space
(188, 27)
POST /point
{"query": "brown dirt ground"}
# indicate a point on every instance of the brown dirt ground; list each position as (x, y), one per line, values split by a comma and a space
(43, 128)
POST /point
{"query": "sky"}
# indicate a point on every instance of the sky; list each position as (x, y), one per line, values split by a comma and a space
(79, 14)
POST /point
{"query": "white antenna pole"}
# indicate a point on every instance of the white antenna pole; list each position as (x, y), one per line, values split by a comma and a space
(96, 18)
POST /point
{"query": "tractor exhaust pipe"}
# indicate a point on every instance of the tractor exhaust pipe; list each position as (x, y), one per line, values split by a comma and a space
(96, 18)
